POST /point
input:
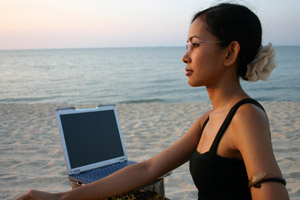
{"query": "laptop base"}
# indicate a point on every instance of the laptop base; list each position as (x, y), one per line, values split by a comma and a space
(98, 173)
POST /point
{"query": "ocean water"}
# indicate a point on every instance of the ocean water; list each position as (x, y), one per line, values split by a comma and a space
(125, 75)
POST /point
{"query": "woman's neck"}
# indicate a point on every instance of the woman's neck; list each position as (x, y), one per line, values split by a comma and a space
(225, 96)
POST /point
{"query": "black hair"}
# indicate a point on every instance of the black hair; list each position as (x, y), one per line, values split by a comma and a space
(232, 22)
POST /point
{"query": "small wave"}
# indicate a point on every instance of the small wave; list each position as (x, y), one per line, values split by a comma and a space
(142, 101)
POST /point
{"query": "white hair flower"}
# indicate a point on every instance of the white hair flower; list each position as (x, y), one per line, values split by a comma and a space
(262, 65)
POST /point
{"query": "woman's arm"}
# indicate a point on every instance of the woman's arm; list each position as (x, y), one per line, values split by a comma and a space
(136, 175)
(253, 140)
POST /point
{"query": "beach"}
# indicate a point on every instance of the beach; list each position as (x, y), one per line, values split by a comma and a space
(32, 158)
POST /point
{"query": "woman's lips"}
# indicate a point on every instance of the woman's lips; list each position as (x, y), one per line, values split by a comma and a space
(188, 72)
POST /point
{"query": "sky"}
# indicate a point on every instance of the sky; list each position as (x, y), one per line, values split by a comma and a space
(47, 24)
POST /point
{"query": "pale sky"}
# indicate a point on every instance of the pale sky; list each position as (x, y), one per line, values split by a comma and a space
(40, 24)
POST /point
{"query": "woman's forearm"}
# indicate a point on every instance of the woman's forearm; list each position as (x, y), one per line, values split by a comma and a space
(124, 180)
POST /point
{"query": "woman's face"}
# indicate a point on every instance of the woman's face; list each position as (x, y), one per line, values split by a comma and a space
(204, 63)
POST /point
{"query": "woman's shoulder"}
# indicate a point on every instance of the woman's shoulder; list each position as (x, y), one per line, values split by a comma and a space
(250, 123)
(197, 125)
(204, 117)
(250, 112)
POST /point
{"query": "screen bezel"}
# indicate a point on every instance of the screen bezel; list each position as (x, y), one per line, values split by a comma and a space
(71, 170)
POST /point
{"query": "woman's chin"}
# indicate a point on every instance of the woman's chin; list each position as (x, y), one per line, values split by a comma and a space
(194, 84)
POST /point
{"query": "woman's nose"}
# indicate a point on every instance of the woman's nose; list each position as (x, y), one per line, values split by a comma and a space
(186, 58)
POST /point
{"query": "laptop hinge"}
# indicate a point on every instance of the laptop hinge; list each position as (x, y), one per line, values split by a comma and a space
(76, 172)
(122, 159)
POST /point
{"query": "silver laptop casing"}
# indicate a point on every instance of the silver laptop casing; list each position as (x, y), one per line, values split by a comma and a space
(73, 110)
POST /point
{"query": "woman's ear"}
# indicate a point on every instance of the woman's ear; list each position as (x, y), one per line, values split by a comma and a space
(232, 53)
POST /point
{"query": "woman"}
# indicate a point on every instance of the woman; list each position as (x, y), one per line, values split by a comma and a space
(229, 146)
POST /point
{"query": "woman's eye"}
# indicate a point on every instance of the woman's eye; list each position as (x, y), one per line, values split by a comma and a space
(196, 44)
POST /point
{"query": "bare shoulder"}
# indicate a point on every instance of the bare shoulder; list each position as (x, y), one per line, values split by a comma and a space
(250, 110)
(198, 124)
(252, 133)
(253, 118)
(204, 117)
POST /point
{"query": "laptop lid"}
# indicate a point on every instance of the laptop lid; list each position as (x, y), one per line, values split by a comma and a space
(91, 138)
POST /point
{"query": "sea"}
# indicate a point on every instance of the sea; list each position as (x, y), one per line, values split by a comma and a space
(125, 75)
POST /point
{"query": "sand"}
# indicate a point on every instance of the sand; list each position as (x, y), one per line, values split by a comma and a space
(31, 155)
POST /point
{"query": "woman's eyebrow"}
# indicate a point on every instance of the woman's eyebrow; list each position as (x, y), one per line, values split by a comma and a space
(194, 36)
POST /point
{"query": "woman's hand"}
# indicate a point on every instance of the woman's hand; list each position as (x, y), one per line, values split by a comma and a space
(39, 195)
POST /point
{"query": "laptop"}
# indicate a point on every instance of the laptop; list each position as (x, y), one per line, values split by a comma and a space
(92, 142)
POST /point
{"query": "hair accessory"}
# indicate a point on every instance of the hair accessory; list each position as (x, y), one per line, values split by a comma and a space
(262, 65)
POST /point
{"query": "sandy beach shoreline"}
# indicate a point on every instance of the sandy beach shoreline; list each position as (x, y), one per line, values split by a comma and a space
(31, 155)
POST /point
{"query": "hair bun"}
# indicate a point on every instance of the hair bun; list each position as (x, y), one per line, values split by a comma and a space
(262, 65)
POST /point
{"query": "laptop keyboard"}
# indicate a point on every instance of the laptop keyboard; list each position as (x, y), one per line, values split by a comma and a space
(98, 173)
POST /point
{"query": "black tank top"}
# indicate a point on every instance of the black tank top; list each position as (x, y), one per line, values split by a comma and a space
(217, 177)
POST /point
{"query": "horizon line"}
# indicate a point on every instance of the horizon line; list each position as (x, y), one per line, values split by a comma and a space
(121, 47)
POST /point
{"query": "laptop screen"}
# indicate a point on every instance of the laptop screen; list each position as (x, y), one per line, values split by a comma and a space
(91, 137)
